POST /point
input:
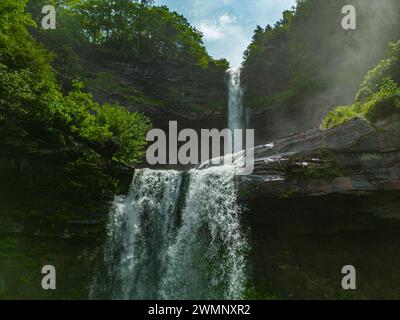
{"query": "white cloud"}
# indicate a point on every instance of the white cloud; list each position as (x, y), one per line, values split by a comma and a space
(211, 32)
(218, 30)
(223, 33)
(226, 19)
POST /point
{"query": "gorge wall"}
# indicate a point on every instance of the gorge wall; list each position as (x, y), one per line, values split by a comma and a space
(321, 200)
(315, 203)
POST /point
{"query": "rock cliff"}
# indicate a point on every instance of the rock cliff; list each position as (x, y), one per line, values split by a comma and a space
(320, 200)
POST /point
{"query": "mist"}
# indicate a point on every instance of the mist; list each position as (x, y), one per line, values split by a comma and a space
(316, 65)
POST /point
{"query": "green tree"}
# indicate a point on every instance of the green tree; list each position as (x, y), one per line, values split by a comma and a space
(42, 126)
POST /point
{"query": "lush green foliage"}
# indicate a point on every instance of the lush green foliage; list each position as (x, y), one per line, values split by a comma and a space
(388, 68)
(139, 30)
(125, 125)
(379, 94)
(74, 137)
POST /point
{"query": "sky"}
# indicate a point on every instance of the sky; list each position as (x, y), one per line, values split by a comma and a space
(228, 25)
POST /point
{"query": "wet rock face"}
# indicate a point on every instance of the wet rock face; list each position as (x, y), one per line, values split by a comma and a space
(352, 158)
(320, 200)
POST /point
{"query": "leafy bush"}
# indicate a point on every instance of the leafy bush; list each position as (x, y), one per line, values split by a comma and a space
(129, 128)
(378, 97)
(384, 103)
(340, 115)
(388, 68)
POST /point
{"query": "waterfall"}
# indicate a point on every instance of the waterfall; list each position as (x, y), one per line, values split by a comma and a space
(175, 236)
(235, 106)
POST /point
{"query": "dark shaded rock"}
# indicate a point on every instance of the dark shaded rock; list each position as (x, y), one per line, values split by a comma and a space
(319, 201)
(300, 245)
(163, 90)
(123, 173)
(108, 148)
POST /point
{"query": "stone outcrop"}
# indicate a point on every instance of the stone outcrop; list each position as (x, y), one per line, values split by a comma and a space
(352, 158)
(319, 201)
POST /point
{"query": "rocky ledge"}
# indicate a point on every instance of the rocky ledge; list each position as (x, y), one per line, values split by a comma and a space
(353, 158)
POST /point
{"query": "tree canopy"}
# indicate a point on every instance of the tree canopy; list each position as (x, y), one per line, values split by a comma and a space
(39, 125)
(165, 55)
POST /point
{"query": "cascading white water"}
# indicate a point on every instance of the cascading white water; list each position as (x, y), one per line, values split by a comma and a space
(235, 105)
(175, 236)
(178, 235)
